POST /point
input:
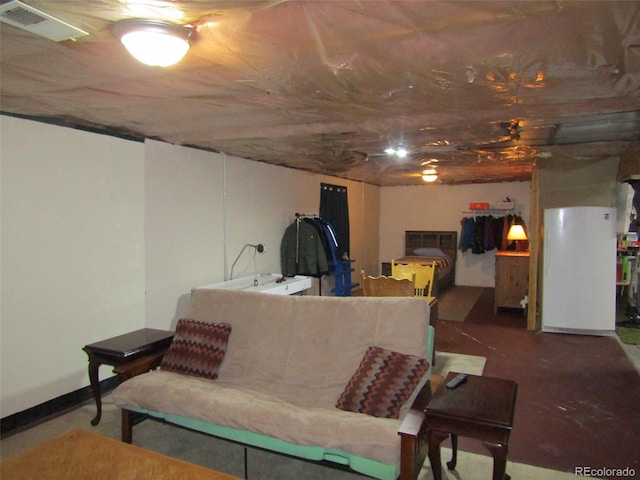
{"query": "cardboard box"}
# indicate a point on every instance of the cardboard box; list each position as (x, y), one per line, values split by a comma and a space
(478, 206)
(504, 205)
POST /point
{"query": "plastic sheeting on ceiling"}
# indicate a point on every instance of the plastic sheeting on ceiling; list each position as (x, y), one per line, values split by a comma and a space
(479, 89)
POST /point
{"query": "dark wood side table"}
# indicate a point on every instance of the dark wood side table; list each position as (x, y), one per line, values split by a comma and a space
(145, 347)
(481, 408)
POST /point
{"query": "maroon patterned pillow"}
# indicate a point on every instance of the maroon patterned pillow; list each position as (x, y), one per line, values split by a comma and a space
(382, 383)
(197, 348)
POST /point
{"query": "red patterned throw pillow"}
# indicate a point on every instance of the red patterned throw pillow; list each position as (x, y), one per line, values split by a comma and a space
(382, 383)
(197, 348)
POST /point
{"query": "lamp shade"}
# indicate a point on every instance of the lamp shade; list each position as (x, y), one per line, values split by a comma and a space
(153, 42)
(516, 232)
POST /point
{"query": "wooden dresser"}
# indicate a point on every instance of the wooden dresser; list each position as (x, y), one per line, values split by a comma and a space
(512, 279)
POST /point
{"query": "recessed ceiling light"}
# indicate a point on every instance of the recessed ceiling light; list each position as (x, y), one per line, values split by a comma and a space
(400, 152)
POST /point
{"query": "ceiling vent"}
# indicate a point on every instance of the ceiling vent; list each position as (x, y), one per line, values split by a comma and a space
(37, 22)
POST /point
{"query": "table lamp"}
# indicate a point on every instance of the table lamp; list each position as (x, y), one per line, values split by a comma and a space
(516, 234)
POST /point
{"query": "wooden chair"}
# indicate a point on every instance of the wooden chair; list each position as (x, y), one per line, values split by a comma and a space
(397, 287)
(424, 278)
(424, 275)
(386, 286)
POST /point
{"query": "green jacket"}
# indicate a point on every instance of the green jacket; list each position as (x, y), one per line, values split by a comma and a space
(302, 252)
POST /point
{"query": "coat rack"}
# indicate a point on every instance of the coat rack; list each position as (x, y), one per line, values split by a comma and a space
(340, 268)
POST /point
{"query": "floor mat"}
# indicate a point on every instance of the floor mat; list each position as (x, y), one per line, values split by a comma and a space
(456, 303)
(456, 362)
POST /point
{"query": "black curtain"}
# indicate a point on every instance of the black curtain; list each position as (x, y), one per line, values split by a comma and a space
(334, 208)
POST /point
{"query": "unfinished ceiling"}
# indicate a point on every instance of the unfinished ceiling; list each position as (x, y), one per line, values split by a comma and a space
(479, 89)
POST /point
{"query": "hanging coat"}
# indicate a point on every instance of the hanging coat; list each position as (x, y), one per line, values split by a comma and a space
(330, 241)
(302, 252)
(478, 236)
(466, 235)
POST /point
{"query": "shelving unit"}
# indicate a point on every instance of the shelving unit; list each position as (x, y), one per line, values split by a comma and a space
(489, 211)
(624, 266)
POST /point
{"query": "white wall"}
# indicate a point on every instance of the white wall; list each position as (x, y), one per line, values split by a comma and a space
(202, 208)
(441, 207)
(183, 224)
(101, 236)
(72, 254)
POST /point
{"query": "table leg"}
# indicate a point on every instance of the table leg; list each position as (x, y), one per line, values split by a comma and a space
(435, 438)
(95, 387)
(499, 452)
(451, 465)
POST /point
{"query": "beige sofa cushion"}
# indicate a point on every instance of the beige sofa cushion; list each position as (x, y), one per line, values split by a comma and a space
(304, 349)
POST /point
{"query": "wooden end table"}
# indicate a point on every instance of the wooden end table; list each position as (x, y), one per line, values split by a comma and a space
(131, 354)
(481, 408)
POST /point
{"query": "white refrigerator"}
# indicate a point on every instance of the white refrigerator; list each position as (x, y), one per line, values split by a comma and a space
(579, 270)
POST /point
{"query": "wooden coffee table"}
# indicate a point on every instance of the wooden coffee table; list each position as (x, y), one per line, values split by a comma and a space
(482, 408)
(82, 455)
(144, 347)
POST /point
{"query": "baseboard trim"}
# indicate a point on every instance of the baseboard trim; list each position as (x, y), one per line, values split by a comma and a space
(30, 417)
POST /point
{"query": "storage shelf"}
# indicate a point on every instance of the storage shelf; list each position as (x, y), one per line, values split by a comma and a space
(489, 210)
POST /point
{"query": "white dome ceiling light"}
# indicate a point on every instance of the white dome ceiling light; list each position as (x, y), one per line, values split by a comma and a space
(430, 175)
(154, 42)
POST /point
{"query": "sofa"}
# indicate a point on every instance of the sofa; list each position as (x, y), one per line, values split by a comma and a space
(341, 380)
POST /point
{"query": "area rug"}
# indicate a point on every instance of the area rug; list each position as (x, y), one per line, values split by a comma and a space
(446, 362)
(456, 303)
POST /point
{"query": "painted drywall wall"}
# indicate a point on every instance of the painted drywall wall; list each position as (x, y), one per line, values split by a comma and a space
(202, 208)
(184, 227)
(101, 236)
(441, 207)
(72, 268)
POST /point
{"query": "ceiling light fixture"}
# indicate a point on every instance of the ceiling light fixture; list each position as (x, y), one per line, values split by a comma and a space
(399, 152)
(153, 42)
(430, 175)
